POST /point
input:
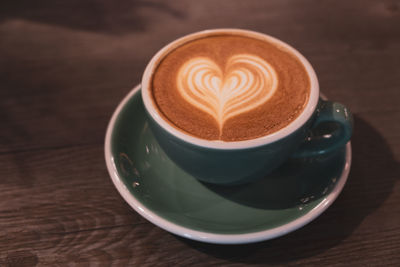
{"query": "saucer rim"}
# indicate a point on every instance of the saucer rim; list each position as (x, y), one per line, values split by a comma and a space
(208, 237)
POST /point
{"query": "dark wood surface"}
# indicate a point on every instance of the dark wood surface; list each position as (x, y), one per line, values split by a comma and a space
(64, 67)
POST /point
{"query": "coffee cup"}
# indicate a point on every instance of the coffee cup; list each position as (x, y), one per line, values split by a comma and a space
(229, 106)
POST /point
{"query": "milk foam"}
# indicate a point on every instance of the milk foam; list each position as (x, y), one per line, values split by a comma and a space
(244, 83)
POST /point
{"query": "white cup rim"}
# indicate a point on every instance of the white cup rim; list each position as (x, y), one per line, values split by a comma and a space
(217, 144)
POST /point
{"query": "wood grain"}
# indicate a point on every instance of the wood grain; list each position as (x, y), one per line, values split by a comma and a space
(64, 66)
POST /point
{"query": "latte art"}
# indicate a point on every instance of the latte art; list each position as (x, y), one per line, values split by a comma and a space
(246, 82)
(229, 87)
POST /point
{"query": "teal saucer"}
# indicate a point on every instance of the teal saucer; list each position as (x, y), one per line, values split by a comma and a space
(164, 194)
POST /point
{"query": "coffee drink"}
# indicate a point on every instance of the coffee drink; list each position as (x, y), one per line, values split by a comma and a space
(229, 87)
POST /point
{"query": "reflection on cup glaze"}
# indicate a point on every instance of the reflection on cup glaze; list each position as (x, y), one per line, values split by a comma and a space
(246, 82)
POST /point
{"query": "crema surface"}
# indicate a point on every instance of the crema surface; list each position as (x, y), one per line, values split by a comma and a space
(230, 87)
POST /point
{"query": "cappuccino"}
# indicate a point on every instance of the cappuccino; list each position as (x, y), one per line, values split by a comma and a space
(229, 87)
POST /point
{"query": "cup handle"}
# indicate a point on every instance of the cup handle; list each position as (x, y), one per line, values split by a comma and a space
(317, 143)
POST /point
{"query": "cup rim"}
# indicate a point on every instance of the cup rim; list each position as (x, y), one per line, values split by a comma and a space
(304, 116)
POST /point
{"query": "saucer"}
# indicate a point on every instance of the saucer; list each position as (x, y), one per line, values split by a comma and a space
(289, 198)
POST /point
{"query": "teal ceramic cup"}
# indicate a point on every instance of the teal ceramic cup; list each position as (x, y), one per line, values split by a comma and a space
(231, 163)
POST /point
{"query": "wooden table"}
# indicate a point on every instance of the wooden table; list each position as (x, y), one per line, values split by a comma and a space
(64, 67)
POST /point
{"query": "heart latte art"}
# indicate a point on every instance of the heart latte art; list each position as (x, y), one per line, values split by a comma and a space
(229, 87)
(244, 83)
